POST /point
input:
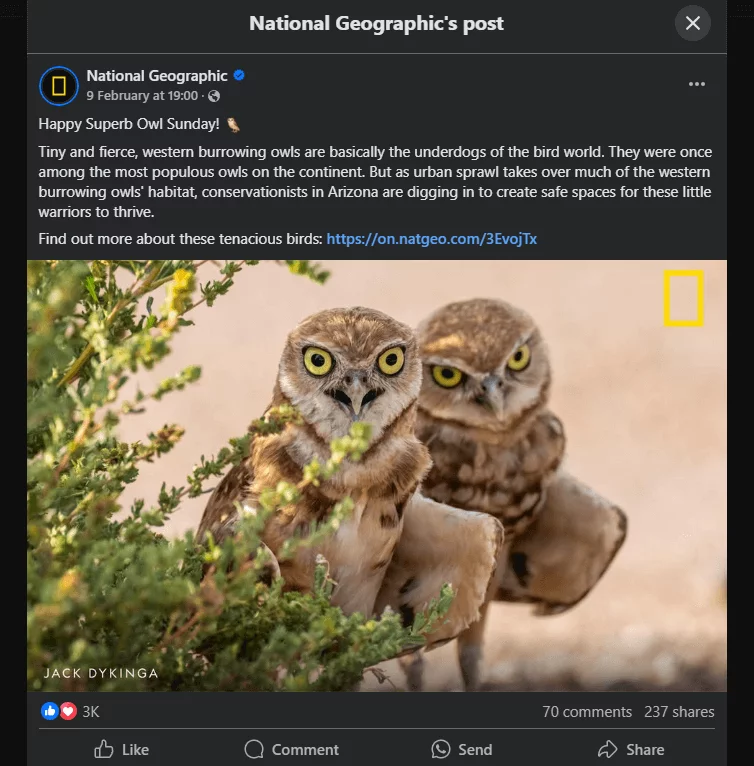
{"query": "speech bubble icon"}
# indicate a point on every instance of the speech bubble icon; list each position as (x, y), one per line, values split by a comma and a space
(254, 749)
(440, 748)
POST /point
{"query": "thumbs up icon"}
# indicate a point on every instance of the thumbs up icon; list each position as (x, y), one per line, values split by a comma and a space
(103, 750)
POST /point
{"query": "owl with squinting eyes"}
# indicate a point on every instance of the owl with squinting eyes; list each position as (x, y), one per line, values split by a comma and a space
(397, 548)
(497, 448)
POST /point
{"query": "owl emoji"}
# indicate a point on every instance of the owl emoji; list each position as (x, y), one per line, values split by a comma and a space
(233, 125)
(397, 548)
(497, 448)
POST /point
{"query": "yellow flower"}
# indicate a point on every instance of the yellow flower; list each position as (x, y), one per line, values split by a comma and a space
(68, 583)
(179, 291)
(183, 279)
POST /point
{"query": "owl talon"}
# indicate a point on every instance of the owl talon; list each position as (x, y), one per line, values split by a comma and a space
(470, 660)
(413, 667)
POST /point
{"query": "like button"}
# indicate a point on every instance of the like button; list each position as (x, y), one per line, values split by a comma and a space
(104, 750)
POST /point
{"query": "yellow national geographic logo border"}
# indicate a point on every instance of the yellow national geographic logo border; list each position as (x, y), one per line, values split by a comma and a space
(667, 276)
(60, 79)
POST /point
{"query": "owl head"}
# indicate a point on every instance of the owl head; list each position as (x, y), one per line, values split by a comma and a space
(342, 366)
(485, 365)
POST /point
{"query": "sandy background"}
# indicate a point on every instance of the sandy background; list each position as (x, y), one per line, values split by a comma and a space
(645, 412)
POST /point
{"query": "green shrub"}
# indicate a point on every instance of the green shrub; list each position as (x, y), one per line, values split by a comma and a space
(107, 592)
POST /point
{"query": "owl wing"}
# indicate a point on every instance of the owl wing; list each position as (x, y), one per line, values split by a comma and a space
(438, 545)
(220, 515)
(221, 518)
(565, 551)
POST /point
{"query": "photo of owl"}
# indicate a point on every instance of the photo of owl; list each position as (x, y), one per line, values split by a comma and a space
(338, 367)
(540, 441)
(497, 448)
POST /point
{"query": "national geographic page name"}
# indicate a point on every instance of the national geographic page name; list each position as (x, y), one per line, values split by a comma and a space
(156, 75)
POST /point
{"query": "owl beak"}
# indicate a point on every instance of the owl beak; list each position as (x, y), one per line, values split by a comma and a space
(355, 395)
(492, 396)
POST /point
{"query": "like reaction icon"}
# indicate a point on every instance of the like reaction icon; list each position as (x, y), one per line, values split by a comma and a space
(103, 750)
(68, 711)
(49, 711)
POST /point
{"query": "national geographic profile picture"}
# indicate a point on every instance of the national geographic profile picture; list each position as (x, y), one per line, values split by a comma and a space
(58, 86)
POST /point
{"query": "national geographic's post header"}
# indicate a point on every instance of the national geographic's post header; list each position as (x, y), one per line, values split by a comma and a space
(420, 23)
(332, 27)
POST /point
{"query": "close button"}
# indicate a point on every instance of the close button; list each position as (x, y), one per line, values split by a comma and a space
(693, 23)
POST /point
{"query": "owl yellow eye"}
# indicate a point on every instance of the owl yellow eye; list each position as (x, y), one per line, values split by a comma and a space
(520, 359)
(391, 361)
(447, 377)
(317, 361)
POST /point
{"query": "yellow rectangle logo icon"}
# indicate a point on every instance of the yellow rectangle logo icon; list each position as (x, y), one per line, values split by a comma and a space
(58, 86)
(699, 320)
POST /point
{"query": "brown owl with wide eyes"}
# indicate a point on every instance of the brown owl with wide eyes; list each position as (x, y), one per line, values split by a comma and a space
(497, 448)
(397, 548)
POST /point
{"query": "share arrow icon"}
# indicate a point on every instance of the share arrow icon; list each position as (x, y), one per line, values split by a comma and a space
(609, 749)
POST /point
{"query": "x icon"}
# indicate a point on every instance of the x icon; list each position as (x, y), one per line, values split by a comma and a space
(693, 23)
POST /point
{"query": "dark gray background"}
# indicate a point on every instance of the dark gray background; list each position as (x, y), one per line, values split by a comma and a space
(536, 25)
(377, 728)
(453, 100)
(408, 100)
(482, 100)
